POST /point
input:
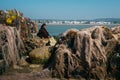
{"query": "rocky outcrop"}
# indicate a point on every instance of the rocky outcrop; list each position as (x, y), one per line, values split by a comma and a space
(11, 45)
(84, 54)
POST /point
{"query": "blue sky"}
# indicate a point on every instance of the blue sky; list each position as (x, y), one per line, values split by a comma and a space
(65, 9)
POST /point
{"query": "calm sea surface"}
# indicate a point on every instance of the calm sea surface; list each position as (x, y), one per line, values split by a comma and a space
(58, 29)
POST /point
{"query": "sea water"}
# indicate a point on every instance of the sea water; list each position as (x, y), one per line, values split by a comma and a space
(55, 30)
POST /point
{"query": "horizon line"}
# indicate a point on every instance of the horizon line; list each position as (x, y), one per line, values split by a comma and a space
(73, 19)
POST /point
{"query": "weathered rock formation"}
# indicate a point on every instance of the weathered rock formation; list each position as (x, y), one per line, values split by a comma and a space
(11, 45)
(84, 54)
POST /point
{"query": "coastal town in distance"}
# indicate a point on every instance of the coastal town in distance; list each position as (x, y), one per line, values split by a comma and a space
(99, 21)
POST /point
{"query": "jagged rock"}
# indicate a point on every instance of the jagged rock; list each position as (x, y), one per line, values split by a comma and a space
(83, 54)
(39, 55)
(11, 45)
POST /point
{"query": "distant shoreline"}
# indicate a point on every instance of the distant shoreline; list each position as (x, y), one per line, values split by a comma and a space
(81, 24)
